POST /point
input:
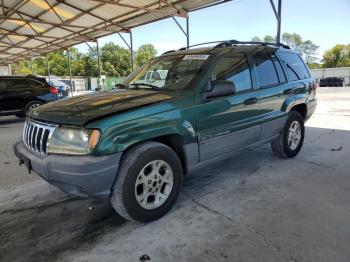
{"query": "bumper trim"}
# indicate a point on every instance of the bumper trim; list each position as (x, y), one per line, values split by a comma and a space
(86, 176)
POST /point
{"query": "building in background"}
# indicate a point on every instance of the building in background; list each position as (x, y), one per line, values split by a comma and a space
(343, 72)
(5, 70)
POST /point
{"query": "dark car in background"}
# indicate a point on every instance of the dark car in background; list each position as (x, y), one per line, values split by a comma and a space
(20, 94)
(332, 81)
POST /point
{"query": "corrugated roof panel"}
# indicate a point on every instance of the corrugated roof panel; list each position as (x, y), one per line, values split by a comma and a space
(64, 21)
(110, 11)
(57, 32)
(32, 43)
(86, 21)
(83, 5)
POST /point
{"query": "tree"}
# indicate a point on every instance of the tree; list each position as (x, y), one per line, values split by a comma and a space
(256, 39)
(144, 54)
(269, 39)
(293, 40)
(337, 56)
(309, 51)
(118, 59)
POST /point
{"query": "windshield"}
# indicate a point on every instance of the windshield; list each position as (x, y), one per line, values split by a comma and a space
(170, 72)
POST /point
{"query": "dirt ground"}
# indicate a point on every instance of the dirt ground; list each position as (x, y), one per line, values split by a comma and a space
(250, 207)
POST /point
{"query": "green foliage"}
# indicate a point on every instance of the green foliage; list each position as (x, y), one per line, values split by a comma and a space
(115, 61)
(144, 54)
(307, 49)
(337, 56)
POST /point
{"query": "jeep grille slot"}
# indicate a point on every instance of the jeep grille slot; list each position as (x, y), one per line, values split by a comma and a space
(36, 135)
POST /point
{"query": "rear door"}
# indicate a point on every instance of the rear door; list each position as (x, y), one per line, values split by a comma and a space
(229, 123)
(274, 90)
(19, 93)
(3, 94)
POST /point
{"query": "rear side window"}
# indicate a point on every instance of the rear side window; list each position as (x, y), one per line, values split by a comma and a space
(278, 67)
(18, 84)
(34, 83)
(3, 84)
(234, 67)
(266, 70)
(295, 66)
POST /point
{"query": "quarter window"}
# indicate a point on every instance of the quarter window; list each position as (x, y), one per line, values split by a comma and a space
(296, 68)
(234, 67)
(266, 71)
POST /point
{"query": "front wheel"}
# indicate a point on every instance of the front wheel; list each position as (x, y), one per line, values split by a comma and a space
(148, 182)
(291, 138)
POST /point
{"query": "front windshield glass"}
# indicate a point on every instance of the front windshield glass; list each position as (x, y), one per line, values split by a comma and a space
(169, 72)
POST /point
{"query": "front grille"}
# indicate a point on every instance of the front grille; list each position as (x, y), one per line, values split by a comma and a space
(36, 135)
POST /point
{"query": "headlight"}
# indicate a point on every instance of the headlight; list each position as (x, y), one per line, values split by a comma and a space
(73, 141)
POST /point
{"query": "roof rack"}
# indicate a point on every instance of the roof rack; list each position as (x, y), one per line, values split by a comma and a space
(185, 48)
(230, 43)
(236, 42)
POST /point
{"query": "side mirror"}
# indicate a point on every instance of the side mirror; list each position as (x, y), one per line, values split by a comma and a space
(220, 88)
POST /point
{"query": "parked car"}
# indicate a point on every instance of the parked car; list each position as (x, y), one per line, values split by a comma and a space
(62, 88)
(134, 145)
(20, 94)
(332, 81)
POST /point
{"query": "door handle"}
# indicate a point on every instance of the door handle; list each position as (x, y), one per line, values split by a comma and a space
(288, 91)
(251, 101)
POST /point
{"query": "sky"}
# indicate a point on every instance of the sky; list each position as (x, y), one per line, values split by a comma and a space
(324, 22)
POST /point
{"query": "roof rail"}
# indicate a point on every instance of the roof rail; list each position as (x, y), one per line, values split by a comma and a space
(230, 43)
(236, 42)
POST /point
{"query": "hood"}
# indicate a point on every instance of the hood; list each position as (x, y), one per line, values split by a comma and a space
(82, 109)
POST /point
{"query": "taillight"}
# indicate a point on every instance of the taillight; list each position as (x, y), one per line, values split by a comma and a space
(53, 90)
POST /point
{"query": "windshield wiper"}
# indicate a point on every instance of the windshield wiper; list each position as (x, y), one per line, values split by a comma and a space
(120, 86)
(153, 87)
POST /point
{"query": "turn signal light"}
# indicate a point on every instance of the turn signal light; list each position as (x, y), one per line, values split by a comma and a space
(94, 138)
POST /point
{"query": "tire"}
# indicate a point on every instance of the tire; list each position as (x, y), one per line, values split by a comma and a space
(31, 105)
(282, 146)
(138, 164)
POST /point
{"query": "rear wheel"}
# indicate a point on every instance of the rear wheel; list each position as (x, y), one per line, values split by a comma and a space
(291, 138)
(32, 105)
(148, 182)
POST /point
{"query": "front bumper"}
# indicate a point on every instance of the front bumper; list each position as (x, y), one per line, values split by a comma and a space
(86, 176)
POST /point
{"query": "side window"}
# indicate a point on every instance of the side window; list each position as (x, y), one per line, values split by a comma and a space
(3, 84)
(296, 68)
(234, 67)
(266, 71)
(280, 72)
(18, 84)
(34, 83)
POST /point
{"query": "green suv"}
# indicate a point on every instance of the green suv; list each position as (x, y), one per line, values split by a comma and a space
(135, 144)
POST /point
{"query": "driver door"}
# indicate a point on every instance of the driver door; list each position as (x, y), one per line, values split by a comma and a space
(229, 123)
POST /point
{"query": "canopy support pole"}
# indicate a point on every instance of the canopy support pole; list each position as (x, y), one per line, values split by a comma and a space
(70, 73)
(98, 60)
(130, 46)
(185, 32)
(278, 14)
(31, 66)
(48, 68)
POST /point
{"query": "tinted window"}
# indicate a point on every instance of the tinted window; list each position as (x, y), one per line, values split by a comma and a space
(296, 67)
(18, 83)
(234, 67)
(3, 84)
(280, 72)
(266, 71)
(34, 83)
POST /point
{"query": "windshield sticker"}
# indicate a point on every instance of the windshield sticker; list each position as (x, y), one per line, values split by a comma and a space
(195, 57)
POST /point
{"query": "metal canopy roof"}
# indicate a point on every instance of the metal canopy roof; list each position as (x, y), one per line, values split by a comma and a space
(30, 28)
